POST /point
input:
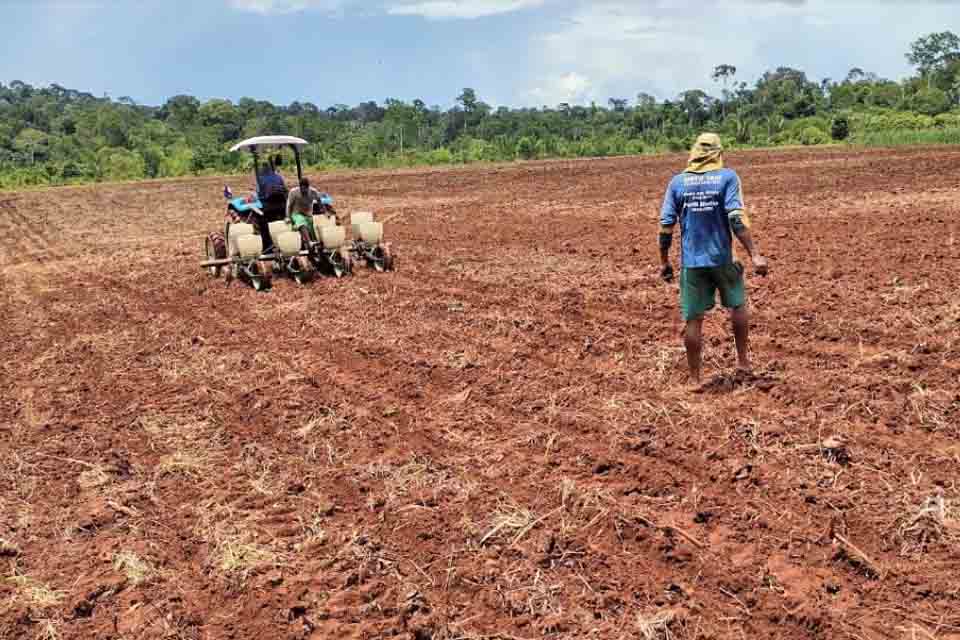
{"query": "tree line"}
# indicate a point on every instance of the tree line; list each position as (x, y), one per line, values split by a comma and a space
(55, 135)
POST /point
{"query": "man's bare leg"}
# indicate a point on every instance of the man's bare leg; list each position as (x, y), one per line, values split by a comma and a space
(740, 318)
(693, 341)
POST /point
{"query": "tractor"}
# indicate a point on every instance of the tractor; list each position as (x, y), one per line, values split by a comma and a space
(258, 240)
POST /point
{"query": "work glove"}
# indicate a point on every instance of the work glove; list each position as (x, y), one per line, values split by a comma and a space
(760, 265)
(667, 273)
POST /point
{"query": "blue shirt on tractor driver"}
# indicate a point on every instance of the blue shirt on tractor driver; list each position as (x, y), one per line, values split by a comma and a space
(701, 203)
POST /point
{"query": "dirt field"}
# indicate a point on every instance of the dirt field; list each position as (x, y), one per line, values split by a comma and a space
(491, 442)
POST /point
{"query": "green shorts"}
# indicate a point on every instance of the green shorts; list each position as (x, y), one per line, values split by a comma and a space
(300, 220)
(698, 287)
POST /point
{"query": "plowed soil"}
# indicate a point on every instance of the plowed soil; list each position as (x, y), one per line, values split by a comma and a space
(494, 441)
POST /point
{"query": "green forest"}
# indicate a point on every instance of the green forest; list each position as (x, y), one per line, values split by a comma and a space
(54, 135)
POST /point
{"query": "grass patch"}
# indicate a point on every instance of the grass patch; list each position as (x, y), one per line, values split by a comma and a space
(239, 558)
(133, 566)
(656, 626)
(902, 137)
(233, 551)
(182, 463)
(35, 591)
(48, 630)
(933, 410)
(936, 519)
(258, 463)
(419, 479)
(94, 477)
(512, 521)
(312, 528)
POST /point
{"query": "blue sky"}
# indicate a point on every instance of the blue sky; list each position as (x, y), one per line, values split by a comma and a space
(513, 52)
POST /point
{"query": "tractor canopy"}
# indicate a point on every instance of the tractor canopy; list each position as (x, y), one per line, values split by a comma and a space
(270, 141)
(255, 144)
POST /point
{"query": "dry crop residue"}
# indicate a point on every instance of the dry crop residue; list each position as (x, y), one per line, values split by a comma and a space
(491, 442)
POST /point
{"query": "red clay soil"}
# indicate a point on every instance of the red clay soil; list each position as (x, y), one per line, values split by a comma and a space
(493, 441)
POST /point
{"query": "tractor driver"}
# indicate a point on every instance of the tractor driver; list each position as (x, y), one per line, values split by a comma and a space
(300, 206)
(270, 182)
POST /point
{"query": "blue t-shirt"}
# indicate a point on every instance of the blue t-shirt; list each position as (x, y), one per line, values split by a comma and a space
(270, 183)
(700, 202)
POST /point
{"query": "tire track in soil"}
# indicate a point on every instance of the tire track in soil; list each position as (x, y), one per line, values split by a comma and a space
(505, 413)
(28, 243)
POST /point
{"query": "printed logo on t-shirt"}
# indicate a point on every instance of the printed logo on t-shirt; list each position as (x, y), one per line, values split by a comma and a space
(701, 192)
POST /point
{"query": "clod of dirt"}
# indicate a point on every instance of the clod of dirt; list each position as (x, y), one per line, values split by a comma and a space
(415, 603)
(857, 562)
(275, 579)
(297, 611)
(703, 517)
(423, 633)
(679, 556)
(555, 624)
(85, 602)
(296, 488)
(9, 549)
(83, 608)
(835, 450)
(94, 515)
(603, 468)
(326, 508)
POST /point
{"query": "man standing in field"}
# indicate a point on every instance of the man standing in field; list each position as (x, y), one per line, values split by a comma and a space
(707, 201)
(300, 207)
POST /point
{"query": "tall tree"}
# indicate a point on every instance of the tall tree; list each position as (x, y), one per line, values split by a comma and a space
(932, 52)
(724, 73)
(468, 100)
(695, 104)
(618, 104)
(30, 141)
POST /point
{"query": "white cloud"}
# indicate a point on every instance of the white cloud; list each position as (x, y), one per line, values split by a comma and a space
(438, 9)
(570, 87)
(664, 47)
(432, 9)
(267, 7)
(627, 47)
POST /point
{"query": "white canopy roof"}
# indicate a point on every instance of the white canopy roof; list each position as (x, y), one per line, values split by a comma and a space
(262, 141)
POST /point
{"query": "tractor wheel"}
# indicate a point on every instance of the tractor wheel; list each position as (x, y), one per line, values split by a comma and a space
(215, 249)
